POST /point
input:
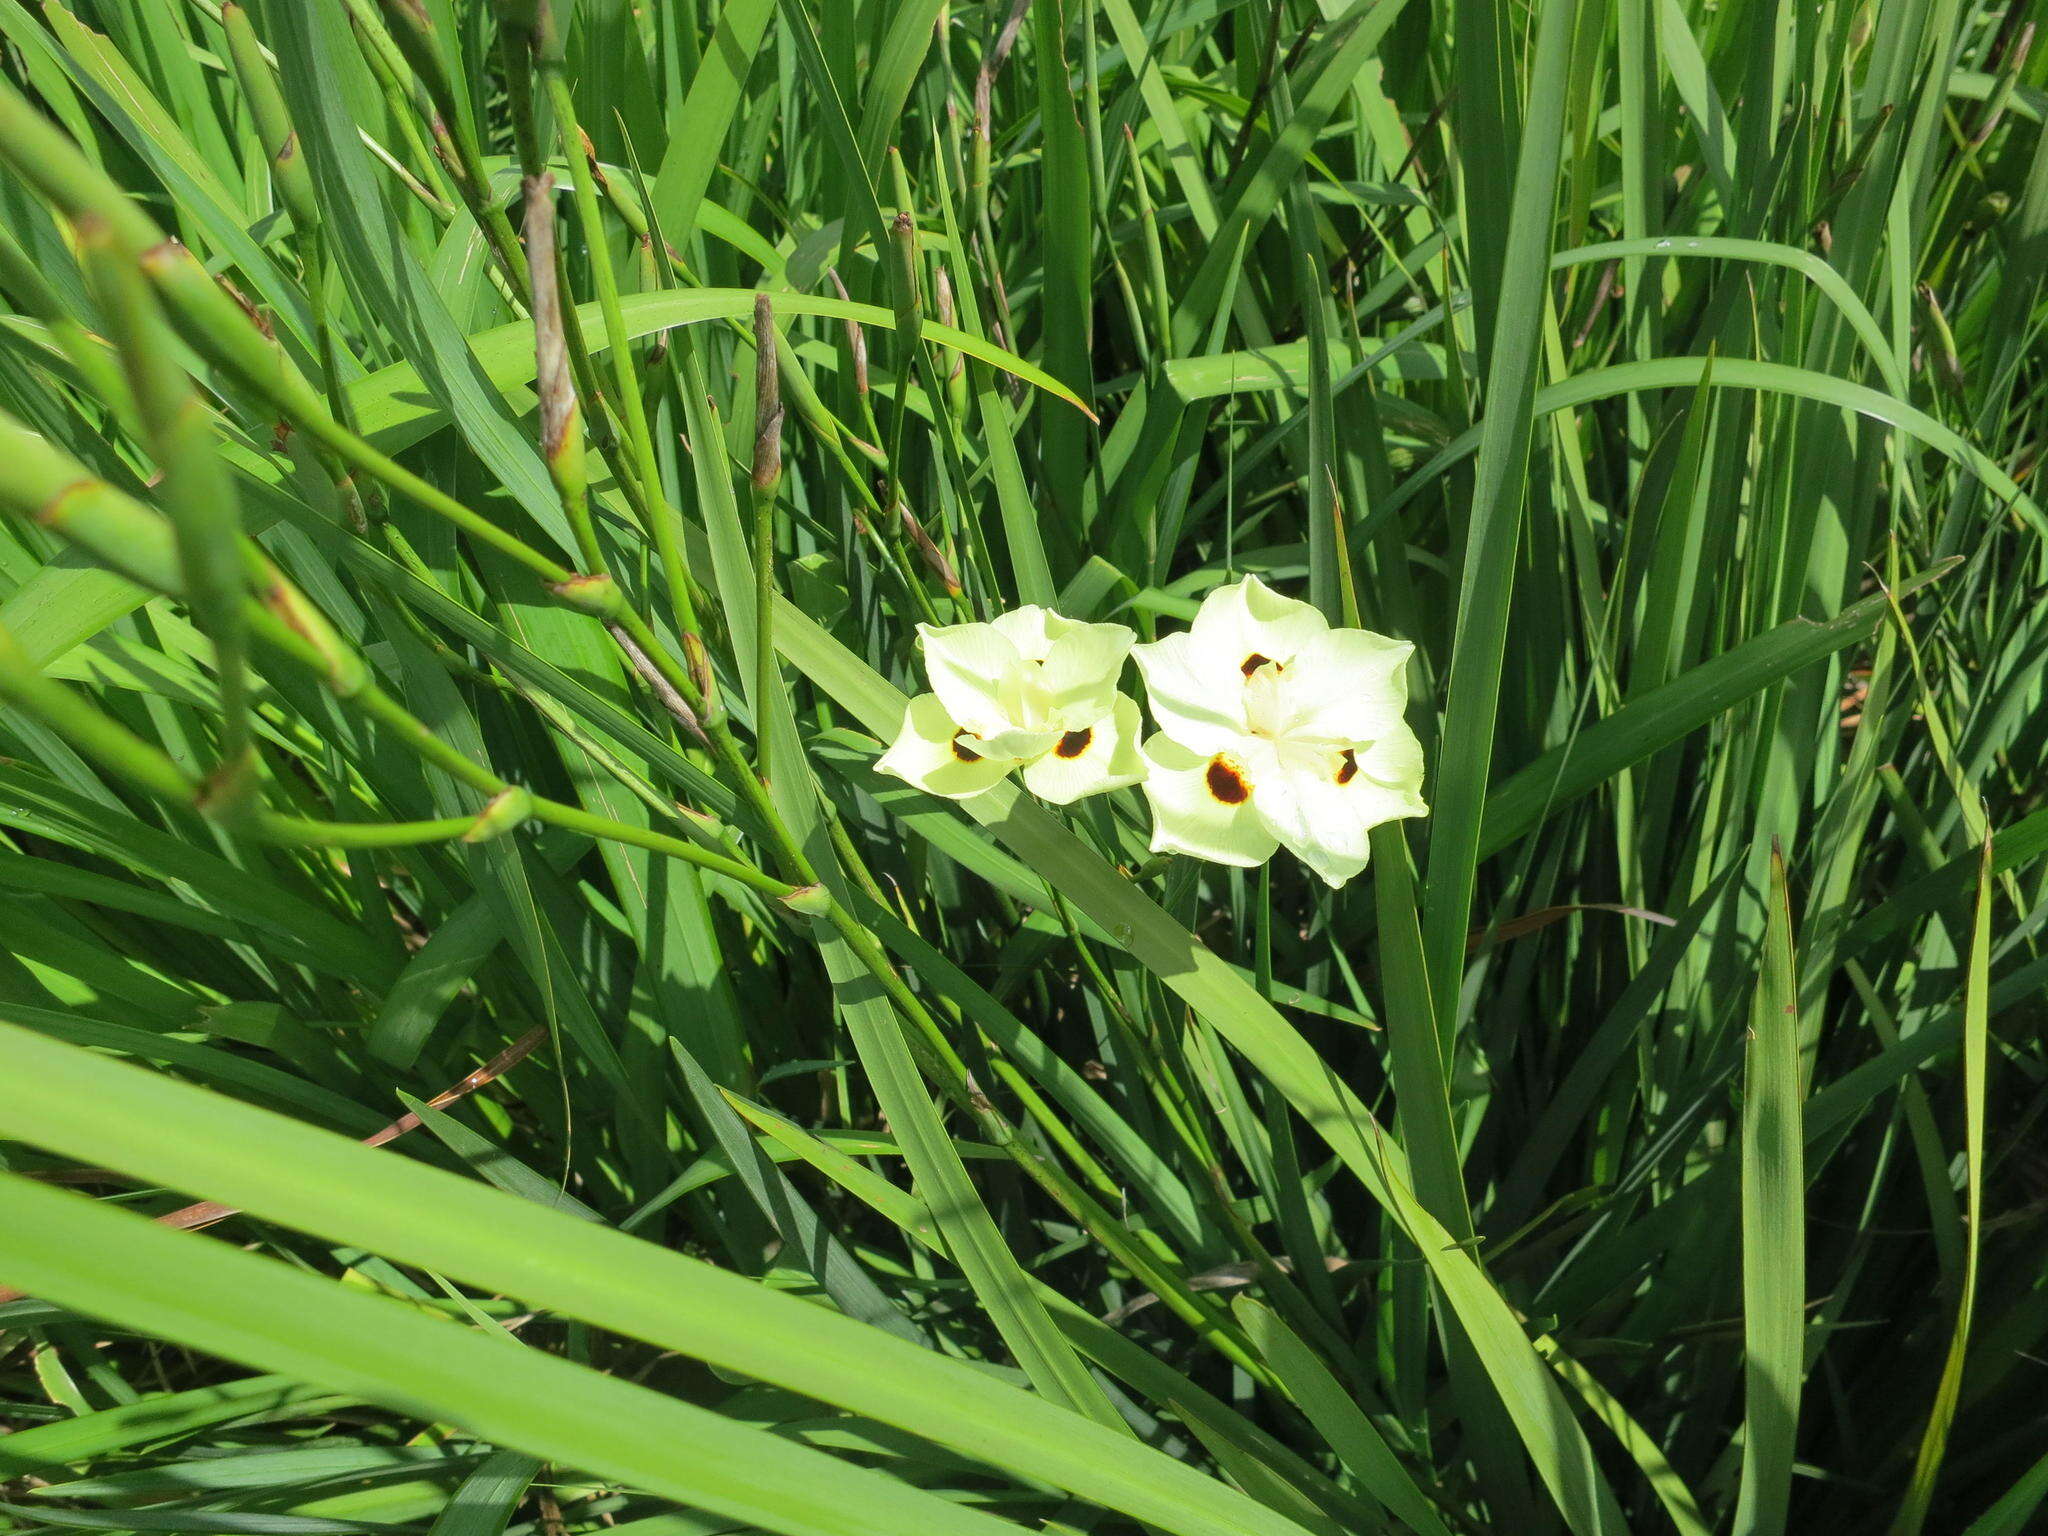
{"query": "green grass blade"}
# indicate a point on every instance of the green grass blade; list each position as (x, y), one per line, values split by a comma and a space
(1773, 1230)
(1912, 1516)
(1486, 578)
(129, 1118)
(111, 1263)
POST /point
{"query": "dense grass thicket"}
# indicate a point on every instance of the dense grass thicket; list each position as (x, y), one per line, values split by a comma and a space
(474, 471)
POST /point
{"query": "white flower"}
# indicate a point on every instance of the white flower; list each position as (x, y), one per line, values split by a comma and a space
(1276, 729)
(1028, 690)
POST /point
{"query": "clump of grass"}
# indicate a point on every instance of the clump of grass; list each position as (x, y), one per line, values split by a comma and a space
(476, 471)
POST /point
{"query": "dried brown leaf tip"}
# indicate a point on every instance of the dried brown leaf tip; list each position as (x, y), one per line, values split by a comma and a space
(767, 397)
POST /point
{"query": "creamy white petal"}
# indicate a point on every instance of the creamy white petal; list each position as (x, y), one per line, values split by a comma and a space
(978, 674)
(1197, 702)
(1247, 623)
(1345, 686)
(1311, 814)
(1081, 671)
(1322, 806)
(1031, 629)
(1201, 805)
(1017, 743)
(1090, 760)
(1393, 765)
(930, 752)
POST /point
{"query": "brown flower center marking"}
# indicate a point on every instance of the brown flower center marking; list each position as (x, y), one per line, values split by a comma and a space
(1253, 662)
(965, 754)
(1074, 743)
(1226, 781)
(1347, 770)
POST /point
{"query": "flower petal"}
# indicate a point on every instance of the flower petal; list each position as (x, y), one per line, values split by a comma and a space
(1081, 671)
(1312, 815)
(1031, 629)
(928, 752)
(1196, 700)
(1090, 760)
(1017, 745)
(977, 673)
(1246, 624)
(1393, 766)
(1346, 686)
(1201, 805)
(1321, 804)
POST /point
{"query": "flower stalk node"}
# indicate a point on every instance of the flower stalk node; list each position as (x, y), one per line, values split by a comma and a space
(595, 594)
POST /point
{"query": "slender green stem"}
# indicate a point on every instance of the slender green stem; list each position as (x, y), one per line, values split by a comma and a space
(767, 477)
(909, 332)
(197, 492)
(454, 127)
(632, 405)
(305, 832)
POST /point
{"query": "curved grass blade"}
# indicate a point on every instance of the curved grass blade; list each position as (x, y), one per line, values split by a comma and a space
(108, 1262)
(394, 408)
(1773, 1230)
(123, 1117)
(1912, 1516)
(1644, 726)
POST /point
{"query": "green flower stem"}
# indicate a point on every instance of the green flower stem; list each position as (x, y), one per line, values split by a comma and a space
(416, 39)
(303, 832)
(766, 478)
(278, 135)
(1056, 1130)
(574, 819)
(32, 294)
(197, 492)
(442, 209)
(274, 130)
(909, 332)
(388, 66)
(850, 859)
(632, 405)
(1106, 989)
(515, 61)
(707, 830)
(1168, 1090)
(790, 853)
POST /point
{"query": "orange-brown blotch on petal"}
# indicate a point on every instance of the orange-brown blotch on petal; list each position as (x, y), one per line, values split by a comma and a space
(965, 754)
(1226, 780)
(1347, 767)
(1253, 662)
(1074, 743)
